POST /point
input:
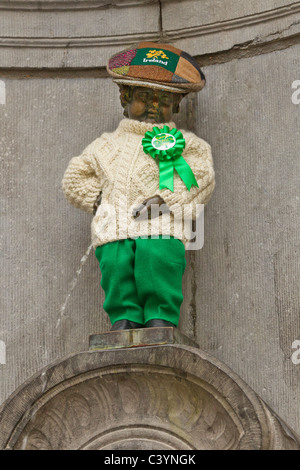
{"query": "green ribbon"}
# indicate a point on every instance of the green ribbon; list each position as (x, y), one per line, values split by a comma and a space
(167, 145)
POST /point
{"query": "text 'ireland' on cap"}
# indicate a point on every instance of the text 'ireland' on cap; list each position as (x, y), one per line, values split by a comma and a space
(157, 65)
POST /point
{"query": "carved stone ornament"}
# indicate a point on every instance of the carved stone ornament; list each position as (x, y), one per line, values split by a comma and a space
(164, 397)
(67, 34)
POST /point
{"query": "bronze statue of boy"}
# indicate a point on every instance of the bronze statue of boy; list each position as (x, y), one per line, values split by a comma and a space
(145, 163)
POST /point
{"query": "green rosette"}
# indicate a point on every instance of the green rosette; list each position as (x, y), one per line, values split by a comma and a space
(167, 145)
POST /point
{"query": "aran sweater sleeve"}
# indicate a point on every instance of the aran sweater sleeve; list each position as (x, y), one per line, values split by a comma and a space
(198, 155)
(82, 180)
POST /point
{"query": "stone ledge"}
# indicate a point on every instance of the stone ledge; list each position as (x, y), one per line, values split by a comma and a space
(138, 338)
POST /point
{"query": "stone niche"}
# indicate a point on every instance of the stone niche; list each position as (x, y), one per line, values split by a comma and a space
(166, 396)
(169, 395)
(85, 33)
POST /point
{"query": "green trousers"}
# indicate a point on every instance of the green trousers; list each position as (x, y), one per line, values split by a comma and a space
(142, 278)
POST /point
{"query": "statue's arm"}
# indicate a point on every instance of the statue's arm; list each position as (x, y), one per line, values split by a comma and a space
(82, 181)
(146, 206)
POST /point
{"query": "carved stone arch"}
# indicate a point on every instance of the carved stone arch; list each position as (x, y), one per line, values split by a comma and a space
(171, 397)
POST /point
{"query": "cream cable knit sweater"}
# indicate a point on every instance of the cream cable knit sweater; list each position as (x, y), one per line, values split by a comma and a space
(116, 164)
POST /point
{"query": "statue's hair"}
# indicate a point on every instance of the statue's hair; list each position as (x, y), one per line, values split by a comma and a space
(126, 94)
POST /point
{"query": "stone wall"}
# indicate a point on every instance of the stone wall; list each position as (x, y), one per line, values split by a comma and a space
(241, 290)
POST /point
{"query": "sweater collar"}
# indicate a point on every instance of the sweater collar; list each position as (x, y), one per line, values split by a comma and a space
(137, 127)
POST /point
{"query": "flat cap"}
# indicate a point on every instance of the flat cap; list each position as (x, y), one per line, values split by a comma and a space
(157, 65)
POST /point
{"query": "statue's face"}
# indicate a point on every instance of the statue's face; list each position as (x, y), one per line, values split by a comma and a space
(151, 105)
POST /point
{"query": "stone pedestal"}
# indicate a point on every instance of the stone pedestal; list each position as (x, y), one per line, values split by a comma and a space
(139, 337)
(165, 395)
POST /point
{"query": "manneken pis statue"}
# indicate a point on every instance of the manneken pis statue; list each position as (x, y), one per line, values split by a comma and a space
(145, 164)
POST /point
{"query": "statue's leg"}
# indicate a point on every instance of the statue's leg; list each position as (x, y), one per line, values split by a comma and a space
(116, 260)
(159, 267)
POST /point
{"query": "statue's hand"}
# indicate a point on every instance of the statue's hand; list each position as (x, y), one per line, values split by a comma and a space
(146, 206)
(97, 203)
